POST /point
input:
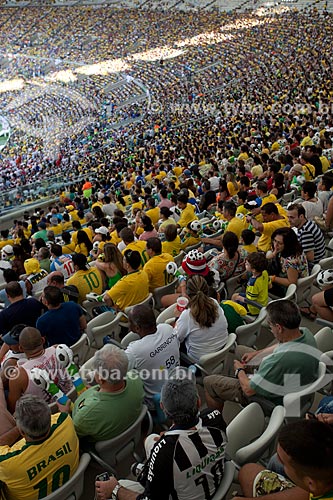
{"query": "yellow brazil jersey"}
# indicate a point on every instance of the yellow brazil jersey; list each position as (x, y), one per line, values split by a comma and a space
(309, 172)
(264, 243)
(86, 282)
(187, 215)
(326, 496)
(139, 246)
(127, 199)
(237, 225)
(270, 198)
(190, 240)
(56, 229)
(172, 247)
(68, 248)
(86, 230)
(74, 215)
(241, 210)
(154, 214)
(3, 243)
(29, 471)
(114, 238)
(250, 248)
(66, 226)
(97, 204)
(81, 248)
(137, 204)
(130, 289)
(155, 268)
(324, 163)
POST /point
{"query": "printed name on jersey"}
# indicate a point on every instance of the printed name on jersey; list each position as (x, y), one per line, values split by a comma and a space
(153, 456)
(211, 458)
(163, 346)
(33, 471)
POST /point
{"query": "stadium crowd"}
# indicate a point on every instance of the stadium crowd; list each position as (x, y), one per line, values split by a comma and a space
(180, 227)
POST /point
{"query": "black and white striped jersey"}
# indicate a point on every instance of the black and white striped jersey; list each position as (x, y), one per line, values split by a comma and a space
(187, 464)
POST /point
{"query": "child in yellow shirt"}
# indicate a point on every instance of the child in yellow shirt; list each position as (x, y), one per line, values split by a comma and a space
(247, 238)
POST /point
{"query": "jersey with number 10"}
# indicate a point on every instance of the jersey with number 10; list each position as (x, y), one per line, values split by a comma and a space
(87, 282)
(30, 471)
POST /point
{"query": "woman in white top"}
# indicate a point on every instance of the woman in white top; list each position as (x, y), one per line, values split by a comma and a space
(203, 325)
(312, 205)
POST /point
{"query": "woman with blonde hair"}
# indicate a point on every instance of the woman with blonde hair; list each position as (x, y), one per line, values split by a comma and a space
(203, 326)
(112, 266)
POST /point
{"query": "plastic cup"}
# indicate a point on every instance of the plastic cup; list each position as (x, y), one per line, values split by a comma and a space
(182, 303)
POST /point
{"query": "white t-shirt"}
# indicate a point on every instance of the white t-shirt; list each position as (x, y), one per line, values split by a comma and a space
(154, 355)
(313, 209)
(200, 341)
(214, 183)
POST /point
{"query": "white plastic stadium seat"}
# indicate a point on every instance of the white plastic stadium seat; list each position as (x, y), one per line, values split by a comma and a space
(212, 363)
(227, 480)
(73, 489)
(104, 324)
(295, 407)
(248, 437)
(304, 285)
(110, 453)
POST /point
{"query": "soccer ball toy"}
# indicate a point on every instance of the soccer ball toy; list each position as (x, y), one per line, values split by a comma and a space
(64, 355)
(195, 226)
(171, 268)
(325, 278)
(40, 378)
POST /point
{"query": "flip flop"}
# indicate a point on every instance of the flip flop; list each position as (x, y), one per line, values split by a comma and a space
(306, 311)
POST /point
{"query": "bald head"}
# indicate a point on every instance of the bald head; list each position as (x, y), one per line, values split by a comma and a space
(56, 279)
(30, 339)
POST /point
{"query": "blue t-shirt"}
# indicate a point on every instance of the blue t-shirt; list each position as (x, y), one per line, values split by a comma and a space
(62, 325)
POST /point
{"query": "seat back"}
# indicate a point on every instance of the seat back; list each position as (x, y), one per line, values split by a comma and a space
(73, 489)
(179, 258)
(214, 235)
(113, 451)
(244, 429)
(304, 285)
(130, 337)
(293, 403)
(166, 316)
(324, 339)
(81, 350)
(159, 292)
(193, 247)
(326, 263)
(255, 450)
(147, 302)
(232, 284)
(213, 363)
(227, 480)
(247, 334)
(107, 323)
(329, 248)
(288, 198)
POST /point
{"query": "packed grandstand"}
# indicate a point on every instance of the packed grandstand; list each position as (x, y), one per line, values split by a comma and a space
(166, 197)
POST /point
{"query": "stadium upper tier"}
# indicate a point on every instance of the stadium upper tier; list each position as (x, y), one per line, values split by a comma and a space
(87, 89)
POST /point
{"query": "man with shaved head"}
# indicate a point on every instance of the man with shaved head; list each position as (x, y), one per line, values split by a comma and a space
(32, 344)
(156, 353)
